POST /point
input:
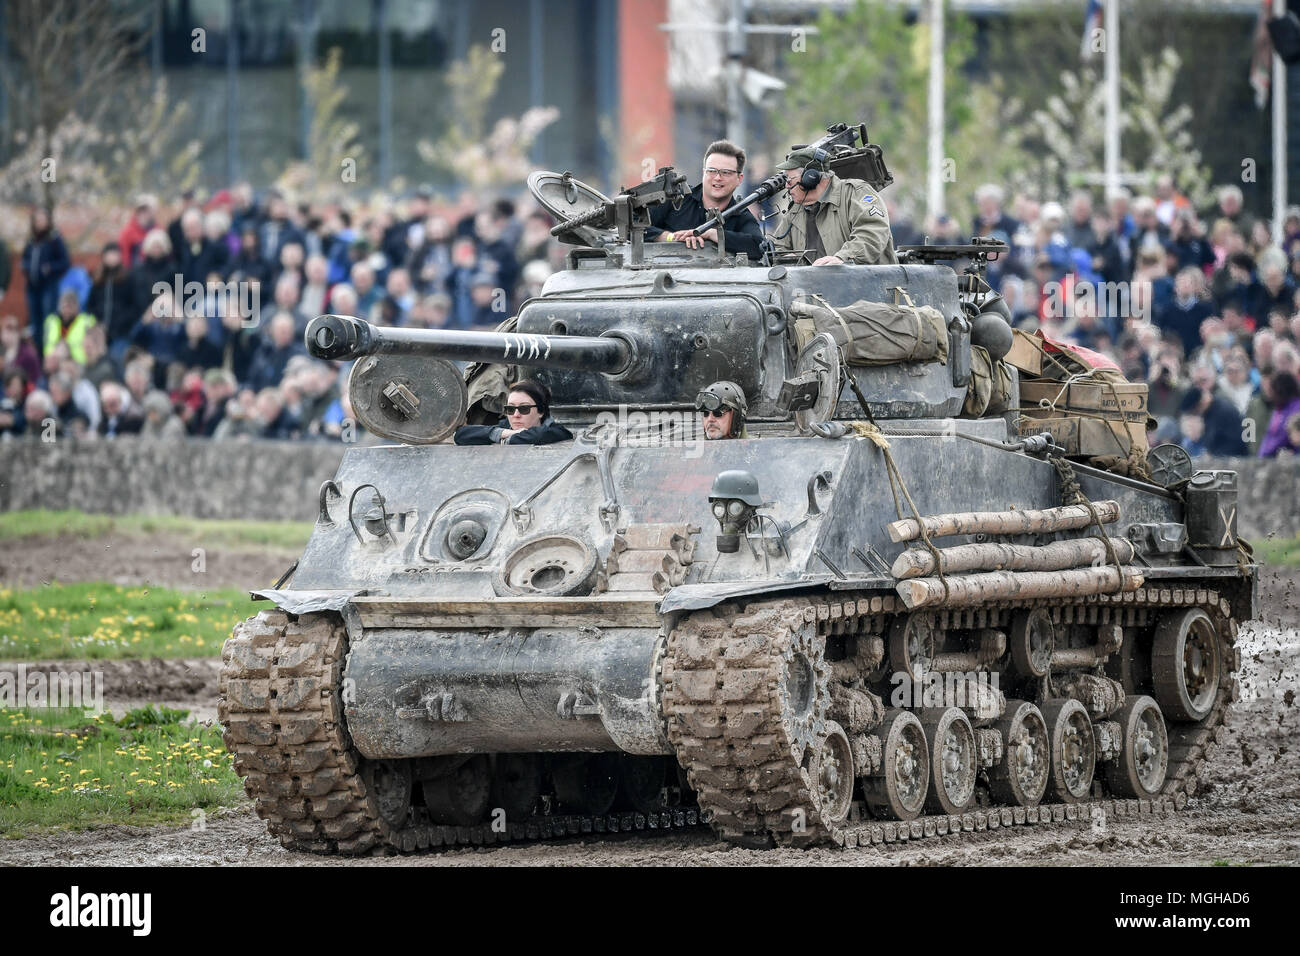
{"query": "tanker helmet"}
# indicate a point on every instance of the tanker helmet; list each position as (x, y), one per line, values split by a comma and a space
(722, 395)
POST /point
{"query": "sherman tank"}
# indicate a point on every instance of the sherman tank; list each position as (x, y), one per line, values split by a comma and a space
(909, 602)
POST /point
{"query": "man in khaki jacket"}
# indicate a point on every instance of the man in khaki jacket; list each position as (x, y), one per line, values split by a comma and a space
(837, 220)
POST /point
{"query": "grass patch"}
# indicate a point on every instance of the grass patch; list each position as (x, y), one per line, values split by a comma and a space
(99, 621)
(63, 769)
(282, 535)
(1283, 552)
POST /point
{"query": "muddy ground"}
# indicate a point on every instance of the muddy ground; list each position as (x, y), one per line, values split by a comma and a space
(1249, 813)
(162, 560)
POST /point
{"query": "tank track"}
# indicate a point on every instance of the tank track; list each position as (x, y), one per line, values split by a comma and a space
(722, 674)
(281, 709)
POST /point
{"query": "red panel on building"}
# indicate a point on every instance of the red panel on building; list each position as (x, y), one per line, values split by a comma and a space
(645, 103)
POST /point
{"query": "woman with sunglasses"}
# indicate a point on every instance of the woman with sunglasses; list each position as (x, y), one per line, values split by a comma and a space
(527, 420)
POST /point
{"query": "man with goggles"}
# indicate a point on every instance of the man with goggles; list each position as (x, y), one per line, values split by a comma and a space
(724, 408)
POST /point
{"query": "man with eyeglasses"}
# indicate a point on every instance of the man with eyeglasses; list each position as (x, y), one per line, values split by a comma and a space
(724, 165)
(724, 408)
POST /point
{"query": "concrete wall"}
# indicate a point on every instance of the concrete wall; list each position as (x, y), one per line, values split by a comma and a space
(1268, 494)
(280, 480)
(202, 479)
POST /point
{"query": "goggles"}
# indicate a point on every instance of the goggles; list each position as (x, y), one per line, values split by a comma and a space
(708, 402)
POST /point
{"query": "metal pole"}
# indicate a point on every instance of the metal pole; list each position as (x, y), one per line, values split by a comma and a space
(155, 43)
(1111, 180)
(934, 190)
(4, 68)
(536, 70)
(606, 80)
(1279, 136)
(736, 40)
(385, 95)
(306, 52)
(156, 68)
(232, 92)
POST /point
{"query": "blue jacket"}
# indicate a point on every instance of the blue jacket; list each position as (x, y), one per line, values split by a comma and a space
(45, 261)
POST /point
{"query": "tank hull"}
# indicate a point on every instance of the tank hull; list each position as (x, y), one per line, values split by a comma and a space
(421, 693)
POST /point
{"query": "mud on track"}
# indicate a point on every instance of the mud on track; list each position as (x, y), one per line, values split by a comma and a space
(1249, 811)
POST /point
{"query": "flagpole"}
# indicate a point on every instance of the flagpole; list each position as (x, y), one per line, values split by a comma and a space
(1279, 136)
(1112, 98)
(934, 190)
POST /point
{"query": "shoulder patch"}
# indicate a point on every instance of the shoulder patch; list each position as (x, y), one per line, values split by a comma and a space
(874, 208)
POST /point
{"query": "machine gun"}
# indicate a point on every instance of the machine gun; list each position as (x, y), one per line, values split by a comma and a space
(628, 212)
(768, 187)
(981, 250)
(851, 156)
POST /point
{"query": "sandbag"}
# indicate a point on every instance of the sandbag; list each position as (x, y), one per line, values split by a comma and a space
(879, 333)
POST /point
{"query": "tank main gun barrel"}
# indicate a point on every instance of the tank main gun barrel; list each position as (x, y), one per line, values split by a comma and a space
(347, 337)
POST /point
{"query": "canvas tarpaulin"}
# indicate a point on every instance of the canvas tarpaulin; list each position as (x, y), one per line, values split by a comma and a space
(876, 333)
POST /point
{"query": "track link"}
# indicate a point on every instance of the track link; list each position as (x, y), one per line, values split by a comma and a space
(281, 710)
(730, 726)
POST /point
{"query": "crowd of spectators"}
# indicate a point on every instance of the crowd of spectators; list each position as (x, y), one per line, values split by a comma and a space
(192, 322)
(1201, 305)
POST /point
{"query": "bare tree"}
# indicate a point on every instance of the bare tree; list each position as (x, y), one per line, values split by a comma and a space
(479, 157)
(66, 58)
(335, 154)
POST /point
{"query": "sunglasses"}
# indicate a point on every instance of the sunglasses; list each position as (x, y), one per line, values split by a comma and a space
(714, 412)
(519, 409)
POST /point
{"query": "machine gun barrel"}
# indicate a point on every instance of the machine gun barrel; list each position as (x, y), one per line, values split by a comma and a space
(768, 187)
(347, 337)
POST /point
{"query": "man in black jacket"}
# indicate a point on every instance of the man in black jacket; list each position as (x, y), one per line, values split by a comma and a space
(1223, 423)
(724, 164)
(112, 298)
(527, 422)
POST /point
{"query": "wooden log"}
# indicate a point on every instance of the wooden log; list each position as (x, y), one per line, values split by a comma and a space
(971, 589)
(1057, 556)
(1040, 521)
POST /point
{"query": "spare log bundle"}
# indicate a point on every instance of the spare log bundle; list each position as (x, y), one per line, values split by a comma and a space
(1057, 556)
(1040, 521)
(1017, 585)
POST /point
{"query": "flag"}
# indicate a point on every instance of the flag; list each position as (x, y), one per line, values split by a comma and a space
(1091, 22)
(1261, 59)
